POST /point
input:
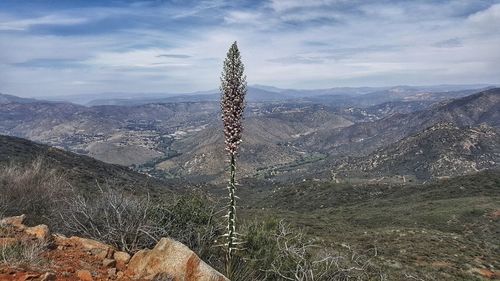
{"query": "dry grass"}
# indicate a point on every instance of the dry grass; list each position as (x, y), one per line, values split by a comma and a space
(25, 252)
(32, 190)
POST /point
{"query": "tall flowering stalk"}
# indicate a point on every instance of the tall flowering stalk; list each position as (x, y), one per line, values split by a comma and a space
(233, 90)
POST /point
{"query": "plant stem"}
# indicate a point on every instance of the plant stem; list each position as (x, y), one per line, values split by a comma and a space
(231, 224)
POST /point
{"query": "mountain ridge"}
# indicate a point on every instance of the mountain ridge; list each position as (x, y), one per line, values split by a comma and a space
(442, 150)
(364, 137)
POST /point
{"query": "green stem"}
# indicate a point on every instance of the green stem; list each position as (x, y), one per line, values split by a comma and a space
(231, 225)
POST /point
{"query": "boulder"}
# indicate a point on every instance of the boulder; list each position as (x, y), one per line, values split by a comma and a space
(30, 276)
(40, 231)
(121, 257)
(112, 272)
(89, 244)
(48, 276)
(61, 240)
(174, 259)
(16, 221)
(84, 275)
(97, 249)
(109, 262)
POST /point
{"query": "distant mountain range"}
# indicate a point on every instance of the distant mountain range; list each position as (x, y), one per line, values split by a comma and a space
(340, 97)
(308, 134)
(261, 93)
(11, 99)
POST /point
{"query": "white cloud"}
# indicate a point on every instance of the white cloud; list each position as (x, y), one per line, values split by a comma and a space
(284, 5)
(145, 58)
(303, 44)
(488, 19)
(240, 17)
(24, 24)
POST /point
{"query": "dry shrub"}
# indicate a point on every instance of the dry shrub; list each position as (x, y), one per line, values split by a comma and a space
(280, 252)
(25, 252)
(111, 217)
(32, 190)
(131, 223)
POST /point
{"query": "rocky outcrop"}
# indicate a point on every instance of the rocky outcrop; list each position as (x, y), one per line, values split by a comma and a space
(40, 232)
(121, 257)
(16, 221)
(83, 259)
(173, 259)
(95, 248)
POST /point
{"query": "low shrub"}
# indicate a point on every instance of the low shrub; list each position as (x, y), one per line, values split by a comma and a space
(132, 222)
(23, 252)
(31, 190)
(277, 251)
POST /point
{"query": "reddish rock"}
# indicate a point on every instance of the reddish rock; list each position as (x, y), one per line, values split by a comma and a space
(89, 244)
(109, 263)
(84, 275)
(121, 257)
(61, 240)
(16, 221)
(48, 276)
(486, 273)
(30, 276)
(97, 249)
(112, 272)
(40, 231)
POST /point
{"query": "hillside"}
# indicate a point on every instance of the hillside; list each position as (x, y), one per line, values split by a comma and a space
(365, 137)
(442, 150)
(283, 138)
(115, 134)
(202, 155)
(82, 171)
(447, 230)
(4, 99)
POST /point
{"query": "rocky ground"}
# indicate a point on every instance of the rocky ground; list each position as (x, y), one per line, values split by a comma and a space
(33, 253)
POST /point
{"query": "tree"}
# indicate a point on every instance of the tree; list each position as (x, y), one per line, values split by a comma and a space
(233, 90)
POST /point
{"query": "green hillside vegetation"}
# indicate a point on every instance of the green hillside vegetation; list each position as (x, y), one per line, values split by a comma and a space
(440, 231)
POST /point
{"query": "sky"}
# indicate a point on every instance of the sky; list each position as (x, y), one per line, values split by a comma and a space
(60, 47)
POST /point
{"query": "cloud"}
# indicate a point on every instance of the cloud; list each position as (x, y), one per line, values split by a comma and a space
(449, 43)
(175, 56)
(50, 63)
(286, 5)
(25, 24)
(179, 46)
(298, 59)
(488, 19)
(242, 17)
(135, 59)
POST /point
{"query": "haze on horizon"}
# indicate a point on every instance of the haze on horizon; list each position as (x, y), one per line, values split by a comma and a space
(53, 48)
